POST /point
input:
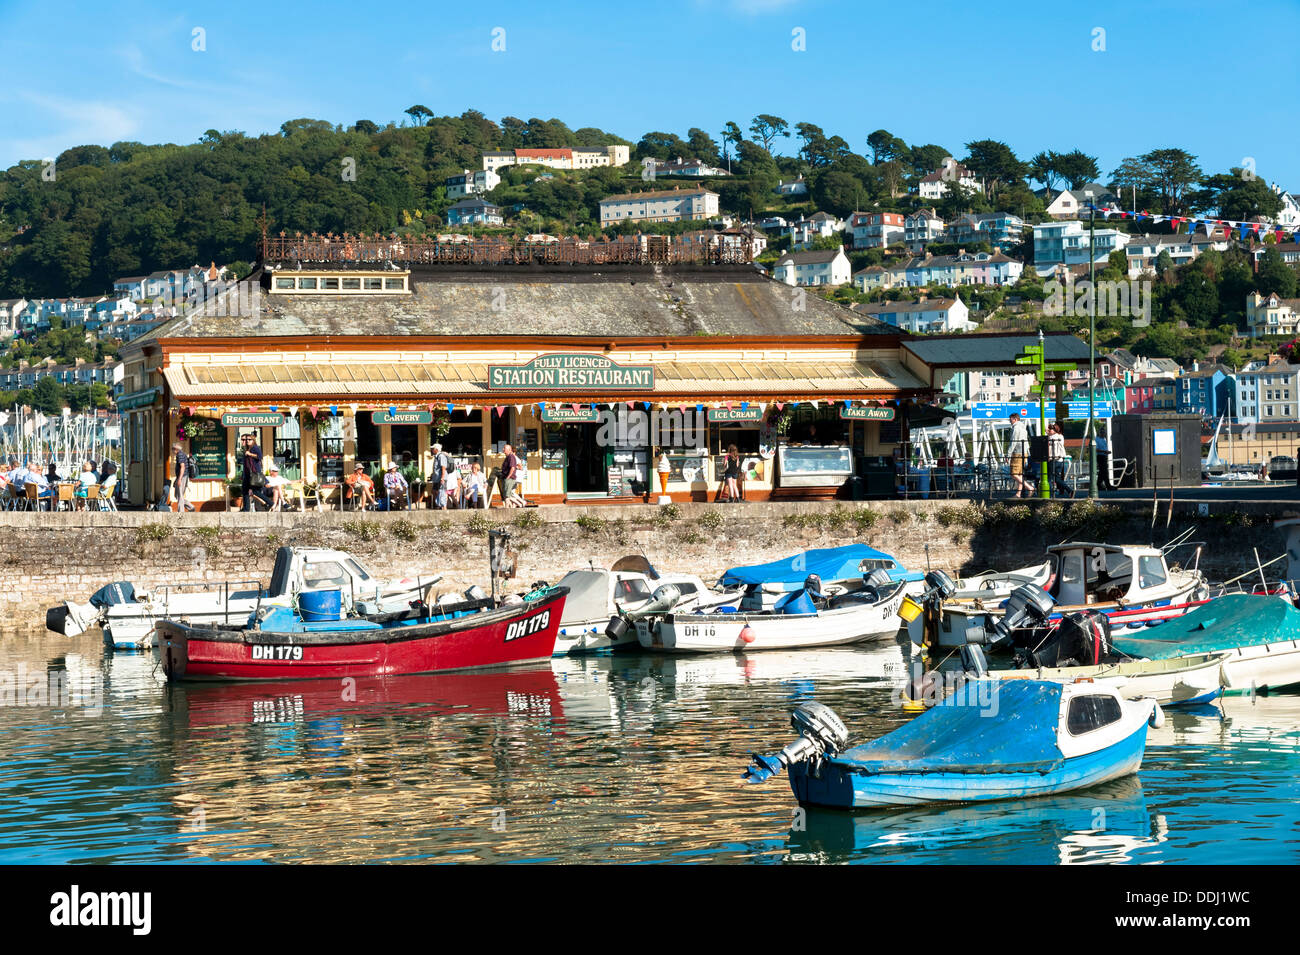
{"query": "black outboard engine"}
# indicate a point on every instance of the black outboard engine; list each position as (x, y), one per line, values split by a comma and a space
(821, 733)
(1028, 606)
(661, 601)
(1081, 639)
(874, 584)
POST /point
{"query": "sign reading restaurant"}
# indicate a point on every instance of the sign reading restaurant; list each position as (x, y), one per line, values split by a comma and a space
(252, 419)
(570, 373)
(866, 414)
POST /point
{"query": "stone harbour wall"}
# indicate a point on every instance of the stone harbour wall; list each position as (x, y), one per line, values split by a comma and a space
(48, 558)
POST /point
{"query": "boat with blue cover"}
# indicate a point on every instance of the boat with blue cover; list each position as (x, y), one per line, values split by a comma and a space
(989, 740)
(1259, 634)
(840, 570)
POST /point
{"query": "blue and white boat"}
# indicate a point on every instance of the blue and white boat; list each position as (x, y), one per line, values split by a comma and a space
(989, 740)
(840, 570)
(1260, 636)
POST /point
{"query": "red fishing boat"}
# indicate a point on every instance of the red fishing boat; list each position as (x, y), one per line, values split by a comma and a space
(311, 640)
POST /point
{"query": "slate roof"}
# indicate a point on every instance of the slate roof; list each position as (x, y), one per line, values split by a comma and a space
(616, 302)
(992, 351)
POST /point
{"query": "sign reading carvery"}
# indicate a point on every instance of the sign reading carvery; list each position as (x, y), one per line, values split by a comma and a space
(570, 373)
(401, 417)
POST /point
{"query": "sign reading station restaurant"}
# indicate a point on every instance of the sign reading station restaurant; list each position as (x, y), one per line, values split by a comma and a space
(252, 419)
(567, 415)
(735, 414)
(570, 373)
(866, 414)
(401, 417)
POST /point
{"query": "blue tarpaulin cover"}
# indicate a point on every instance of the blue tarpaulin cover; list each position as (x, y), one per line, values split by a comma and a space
(1235, 620)
(828, 563)
(986, 726)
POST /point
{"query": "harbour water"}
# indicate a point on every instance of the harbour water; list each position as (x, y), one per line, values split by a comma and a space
(613, 759)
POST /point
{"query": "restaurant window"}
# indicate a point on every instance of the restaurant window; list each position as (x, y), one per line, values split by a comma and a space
(395, 284)
(351, 284)
(501, 430)
(307, 283)
(329, 283)
(284, 282)
(464, 442)
(329, 449)
(287, 449)
(374, 283)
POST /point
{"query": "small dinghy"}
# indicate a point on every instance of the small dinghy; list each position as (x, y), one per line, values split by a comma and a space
(1180, 681)
(990, 740)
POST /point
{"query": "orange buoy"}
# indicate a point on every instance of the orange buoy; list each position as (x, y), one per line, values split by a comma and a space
(747, 634)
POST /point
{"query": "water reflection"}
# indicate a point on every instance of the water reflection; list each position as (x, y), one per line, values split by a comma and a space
(625, 758)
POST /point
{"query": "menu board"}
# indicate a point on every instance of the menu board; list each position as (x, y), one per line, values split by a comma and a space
(553, 459)
(209, 453)
(685, 467)
(615, 482)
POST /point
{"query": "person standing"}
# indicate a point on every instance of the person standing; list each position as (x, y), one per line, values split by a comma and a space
(731, 474)
(252, 469)
(182, 477)
(509, 476)
(1103, 462)
(1056, 460)
(438, 480)
(1018, 448)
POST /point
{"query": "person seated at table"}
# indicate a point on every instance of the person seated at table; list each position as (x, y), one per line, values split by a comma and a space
(107, 480)
(51, 474)
(85, 479)
(360, 489)
(395, 487)
(276, 485)
(475, 492)
(451, 487)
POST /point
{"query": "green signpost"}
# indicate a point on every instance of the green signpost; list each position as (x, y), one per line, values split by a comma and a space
(1036, 357)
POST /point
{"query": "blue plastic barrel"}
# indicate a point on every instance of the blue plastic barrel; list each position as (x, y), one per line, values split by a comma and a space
(317, 605)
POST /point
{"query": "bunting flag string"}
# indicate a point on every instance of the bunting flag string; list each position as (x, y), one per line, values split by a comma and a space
(1243, 229)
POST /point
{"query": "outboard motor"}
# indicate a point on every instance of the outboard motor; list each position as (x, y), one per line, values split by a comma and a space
(1081, 639)
(1028, 606)
(973, 661)
(821, 734)
(664, 599)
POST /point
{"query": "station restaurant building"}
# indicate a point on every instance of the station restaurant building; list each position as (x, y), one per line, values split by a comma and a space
(584, 360)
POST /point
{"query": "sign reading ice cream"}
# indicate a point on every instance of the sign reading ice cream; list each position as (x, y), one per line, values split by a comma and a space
(570, 373)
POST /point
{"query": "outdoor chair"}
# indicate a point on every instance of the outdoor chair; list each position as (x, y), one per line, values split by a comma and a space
(31, 497)
(63, 496)
(92, 495)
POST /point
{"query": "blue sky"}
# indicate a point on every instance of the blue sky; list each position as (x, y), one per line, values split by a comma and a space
(1213, 78)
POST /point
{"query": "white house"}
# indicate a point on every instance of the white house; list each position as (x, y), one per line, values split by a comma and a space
(935, 185)
(1074, 203)
(472, 183)
(875, 230)
(795, 187)
(1270, 393)
(577, 157)
(668, 205)
(687, 167)
(821, 225)
(928, 316)
(474, 211)
(1144, 250)
(813, 267)
(1066, 243)
(921, 228)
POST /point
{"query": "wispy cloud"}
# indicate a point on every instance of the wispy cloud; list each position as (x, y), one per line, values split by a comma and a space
(80, 121)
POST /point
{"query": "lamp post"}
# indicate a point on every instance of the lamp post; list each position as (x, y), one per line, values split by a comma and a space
(1092, 357)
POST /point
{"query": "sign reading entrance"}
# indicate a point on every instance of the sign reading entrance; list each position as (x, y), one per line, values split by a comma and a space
(570, 373)
(252, 419)
(735, 414)
(566, 415)
(401, 417)
(866, 414)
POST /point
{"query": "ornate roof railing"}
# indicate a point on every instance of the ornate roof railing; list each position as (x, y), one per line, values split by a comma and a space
(361, 250)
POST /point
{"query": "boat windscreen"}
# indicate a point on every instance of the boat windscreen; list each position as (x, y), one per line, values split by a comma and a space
(280, 573)
(588, 596)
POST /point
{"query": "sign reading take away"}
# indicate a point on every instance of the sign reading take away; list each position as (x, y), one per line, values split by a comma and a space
(570, 373)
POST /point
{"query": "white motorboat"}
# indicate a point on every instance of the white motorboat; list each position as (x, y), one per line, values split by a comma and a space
(597, 594)
(805, 619)
(127, 616)
(1134, 586)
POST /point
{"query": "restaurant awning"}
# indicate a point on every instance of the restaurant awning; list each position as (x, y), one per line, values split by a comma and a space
(879, 379)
